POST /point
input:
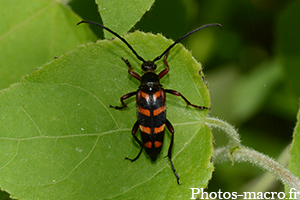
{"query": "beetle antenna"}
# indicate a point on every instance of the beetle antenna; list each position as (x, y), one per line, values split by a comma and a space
(189, 33)
(118, 36)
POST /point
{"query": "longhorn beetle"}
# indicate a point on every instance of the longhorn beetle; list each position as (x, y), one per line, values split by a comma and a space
(151, 101)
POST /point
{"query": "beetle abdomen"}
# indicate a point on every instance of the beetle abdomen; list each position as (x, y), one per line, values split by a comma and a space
(151, 109)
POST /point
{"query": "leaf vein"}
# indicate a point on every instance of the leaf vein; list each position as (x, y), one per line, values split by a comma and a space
(17, 151)
(32, 120)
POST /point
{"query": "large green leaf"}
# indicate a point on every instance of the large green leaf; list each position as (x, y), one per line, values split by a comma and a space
(33, 32)
(121, 16)
(60, 140)
(295, 151)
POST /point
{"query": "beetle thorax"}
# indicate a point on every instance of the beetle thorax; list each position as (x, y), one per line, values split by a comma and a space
(150, 81)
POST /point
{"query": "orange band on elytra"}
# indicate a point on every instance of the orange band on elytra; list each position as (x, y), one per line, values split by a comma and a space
(145, 95)
(157, 144)
(145, 129)
(156, 95)
(144, 111)
(159, 110)
(148, 145)
(159, 129)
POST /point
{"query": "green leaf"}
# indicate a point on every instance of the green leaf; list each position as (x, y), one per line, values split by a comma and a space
(295, 150)
(34, 32)
(60, 140)
(121, 16)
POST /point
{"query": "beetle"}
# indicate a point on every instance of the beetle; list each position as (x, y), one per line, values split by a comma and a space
(151, 101)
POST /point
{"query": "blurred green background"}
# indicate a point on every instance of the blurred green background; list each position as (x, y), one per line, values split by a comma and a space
(251, 68)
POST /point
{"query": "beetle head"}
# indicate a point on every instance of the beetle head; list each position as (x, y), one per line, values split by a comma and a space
(148, 66)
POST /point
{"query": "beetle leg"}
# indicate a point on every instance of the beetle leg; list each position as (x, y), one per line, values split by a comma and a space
(133, 132)
(171, 129)
(186, 101)
(165, 71)
(130, 70)
(126, 96)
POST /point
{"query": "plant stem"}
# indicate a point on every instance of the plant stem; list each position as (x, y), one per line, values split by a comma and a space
(245, 154)
(234, 137)
(236, 152)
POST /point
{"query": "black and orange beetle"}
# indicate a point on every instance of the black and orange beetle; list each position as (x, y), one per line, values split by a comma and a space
(151, 101)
